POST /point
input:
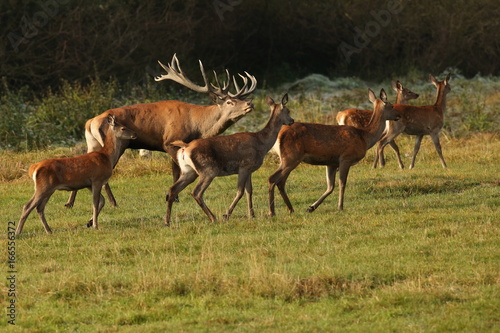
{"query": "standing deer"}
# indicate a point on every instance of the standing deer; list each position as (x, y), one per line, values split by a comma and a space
(420, 121)
(157, 124)
(91, 170)
(336, 146)
(360, 118)
(240, 153)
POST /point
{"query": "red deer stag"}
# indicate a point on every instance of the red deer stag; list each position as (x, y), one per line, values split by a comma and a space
(160, 123)
(360, 118)
(420, 121)
(91, 171)
(336, 146)
(240, 153)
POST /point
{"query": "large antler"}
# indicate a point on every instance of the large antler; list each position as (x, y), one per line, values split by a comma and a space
(175, 73)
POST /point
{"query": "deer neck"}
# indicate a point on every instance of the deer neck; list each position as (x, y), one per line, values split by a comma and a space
(269, 133)
(441, 99)
(215, 123)
(375, 128)
(399, 98)
(113, 148)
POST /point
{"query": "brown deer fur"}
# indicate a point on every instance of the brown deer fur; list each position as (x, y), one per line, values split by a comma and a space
(360, 118)
(240, 153)
(336, 146)
(420, 121)
(91, 170)
(157, 124)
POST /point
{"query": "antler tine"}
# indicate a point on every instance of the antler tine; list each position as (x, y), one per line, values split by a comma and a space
(174, 73)
(245, 90)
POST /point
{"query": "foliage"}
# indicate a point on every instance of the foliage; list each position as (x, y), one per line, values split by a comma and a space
(46, 41)
(28, 122)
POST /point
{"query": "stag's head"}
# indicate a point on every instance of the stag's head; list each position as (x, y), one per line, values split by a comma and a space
(233, 106)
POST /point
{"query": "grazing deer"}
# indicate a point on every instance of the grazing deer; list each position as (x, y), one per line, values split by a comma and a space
(360, 118)
(157, 124)
(336, 146)
(240, 153)
(419, 121)
(91, 170)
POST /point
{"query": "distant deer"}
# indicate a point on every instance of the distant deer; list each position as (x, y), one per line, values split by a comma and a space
(91, 170)
(157, 124)
(419, 121)
(336, 146)
(360, 118)
(240, 153)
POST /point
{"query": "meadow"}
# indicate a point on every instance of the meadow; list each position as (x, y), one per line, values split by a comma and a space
(413, 251)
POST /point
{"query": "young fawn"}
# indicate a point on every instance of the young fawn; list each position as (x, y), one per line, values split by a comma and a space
(240, 153)
(360, 118)
(420, 121)
(336, 146)
(91, 170)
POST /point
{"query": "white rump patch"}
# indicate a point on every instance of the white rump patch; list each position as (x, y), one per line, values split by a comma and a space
(185, 163)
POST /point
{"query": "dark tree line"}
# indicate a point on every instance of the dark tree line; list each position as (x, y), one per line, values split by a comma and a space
(44, 41)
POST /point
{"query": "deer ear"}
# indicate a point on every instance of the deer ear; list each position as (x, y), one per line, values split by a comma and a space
(111, 120)
(216, 99)
(448, 77)
(383, 96)
(284, 100)
(433, 80)
(269, 101)
(395, 85)
(371, 96)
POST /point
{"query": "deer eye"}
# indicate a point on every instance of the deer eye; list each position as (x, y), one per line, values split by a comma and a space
(229, 102)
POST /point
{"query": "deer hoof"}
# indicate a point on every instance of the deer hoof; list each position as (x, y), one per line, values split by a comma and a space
(311, 209)
(90, 223)
(69, 205)
(225, 217)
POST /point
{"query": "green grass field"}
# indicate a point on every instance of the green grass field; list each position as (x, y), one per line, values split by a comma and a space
(413, 251)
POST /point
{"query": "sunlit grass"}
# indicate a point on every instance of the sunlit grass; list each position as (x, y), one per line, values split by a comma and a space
(414, 250)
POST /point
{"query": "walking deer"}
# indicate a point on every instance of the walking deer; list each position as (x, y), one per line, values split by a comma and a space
(419, 121)
(91, 170)
(360, 118)
(240, 153)
(336, 146)
(157, 124)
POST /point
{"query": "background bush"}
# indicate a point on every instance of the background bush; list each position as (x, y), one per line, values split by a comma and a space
(65, 61)
(45, 41)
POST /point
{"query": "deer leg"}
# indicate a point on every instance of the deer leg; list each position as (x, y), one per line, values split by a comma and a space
(437, 145)
(27, 209)
(249, 192)
(176, 173)
(398, 155)
(111, 197)
(40, 208)
(98, 203)
(242, 183)
(184, 180)
(330, 181)
(343, 173)
(279, 179)
(198, 191)
(71, 199)
(418, 141)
